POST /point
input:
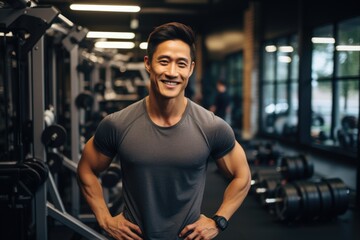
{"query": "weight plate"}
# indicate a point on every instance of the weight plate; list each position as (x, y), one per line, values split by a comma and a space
(303, 196)
(289, 208)
(30, 179)
(340, 195)
(299, 169)
(326, 199)
(53, 136)
(313, 200)
(39, 167)
(112, 176)
(84, 100)
(308, 167)
(289, 168)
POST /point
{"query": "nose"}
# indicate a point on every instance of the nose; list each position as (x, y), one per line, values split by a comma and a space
(172, 71)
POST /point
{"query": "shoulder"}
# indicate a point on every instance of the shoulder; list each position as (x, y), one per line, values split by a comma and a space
(205, 117)
(129, 113)
(124, 117)
(200, 114)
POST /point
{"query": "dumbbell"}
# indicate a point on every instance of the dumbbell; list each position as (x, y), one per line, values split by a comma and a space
(267, 155)
(305, 200)
(292, 168)
(262, 154)
(296, 167)
(266, 190)
(111, 176)
(260, 176)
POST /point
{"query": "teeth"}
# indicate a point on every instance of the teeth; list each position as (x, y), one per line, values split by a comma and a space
(170, 83)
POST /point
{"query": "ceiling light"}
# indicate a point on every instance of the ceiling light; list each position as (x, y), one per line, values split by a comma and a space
(104, 8)
(286, 49)
(119, 45)
(348, 48)
(323, 40)
(9, 34)
(270, 48)
(284, 59)
(143, 45)
(113, 35)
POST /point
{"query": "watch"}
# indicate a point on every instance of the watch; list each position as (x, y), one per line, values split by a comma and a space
(221, 222)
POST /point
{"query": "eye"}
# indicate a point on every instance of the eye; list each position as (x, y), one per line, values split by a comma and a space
(182, 64)
(163, 62)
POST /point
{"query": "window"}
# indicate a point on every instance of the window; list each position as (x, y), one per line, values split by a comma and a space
(280, 87)
(322, 68)
(335, 84)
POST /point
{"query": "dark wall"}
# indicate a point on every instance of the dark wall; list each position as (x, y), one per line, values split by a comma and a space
(281, 17)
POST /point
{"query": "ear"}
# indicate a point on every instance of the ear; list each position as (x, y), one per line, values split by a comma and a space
(192, 67)
(147, 63)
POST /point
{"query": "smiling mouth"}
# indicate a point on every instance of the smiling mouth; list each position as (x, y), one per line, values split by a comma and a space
(170, 83)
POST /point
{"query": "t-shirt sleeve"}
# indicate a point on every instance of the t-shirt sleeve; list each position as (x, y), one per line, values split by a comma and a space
(222, 139)
(105, 138)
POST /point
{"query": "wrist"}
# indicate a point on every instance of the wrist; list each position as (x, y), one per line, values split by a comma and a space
(221, 222)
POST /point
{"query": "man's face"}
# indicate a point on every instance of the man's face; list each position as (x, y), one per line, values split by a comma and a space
(170, 68)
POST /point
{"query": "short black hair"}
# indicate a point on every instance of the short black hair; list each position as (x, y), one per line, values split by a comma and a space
(171, 31)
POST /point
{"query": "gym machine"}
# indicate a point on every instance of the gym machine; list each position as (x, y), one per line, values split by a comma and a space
(30, 130)
(25, 121)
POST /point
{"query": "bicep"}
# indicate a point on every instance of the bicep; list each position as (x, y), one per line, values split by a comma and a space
(234, 163)
(92, 159)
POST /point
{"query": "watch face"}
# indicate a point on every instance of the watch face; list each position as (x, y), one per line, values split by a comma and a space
(221, 222)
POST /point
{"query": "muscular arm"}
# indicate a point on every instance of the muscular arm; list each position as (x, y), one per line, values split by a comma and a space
(234, 165)
(91, 164)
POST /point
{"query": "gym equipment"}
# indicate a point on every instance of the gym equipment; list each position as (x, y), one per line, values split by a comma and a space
(53, 136)
(111, 176)
(267, 189)
(39, 166)
(292, 168)
(49, 117)
(306, 200)
(296, 167)
(23, 19)
(54, 161)
(262, 154)
(20, 181)
(347, 134)
(264, 174)
(84, 100)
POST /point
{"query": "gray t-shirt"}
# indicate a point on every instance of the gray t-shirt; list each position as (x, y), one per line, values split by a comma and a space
(163, 168)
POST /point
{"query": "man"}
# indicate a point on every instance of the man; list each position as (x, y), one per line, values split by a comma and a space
(163, 143)
(221, 106)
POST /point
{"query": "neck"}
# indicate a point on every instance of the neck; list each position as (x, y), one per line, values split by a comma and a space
(165, 112)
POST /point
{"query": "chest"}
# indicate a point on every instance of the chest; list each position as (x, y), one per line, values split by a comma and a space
(183, 146)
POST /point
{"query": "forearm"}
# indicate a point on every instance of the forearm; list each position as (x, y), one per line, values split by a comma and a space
(234, 196)
(93, 194)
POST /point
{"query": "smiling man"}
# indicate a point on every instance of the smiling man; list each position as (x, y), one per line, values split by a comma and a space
(163, 143)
